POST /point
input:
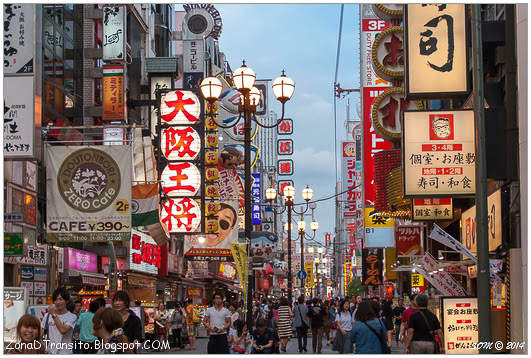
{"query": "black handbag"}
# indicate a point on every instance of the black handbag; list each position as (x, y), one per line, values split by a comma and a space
(383, 343)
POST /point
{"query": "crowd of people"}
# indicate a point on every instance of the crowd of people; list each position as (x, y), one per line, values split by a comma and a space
(349, 325)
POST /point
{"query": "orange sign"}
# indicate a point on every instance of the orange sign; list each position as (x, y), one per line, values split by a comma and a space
(113, 93)
(195, 292)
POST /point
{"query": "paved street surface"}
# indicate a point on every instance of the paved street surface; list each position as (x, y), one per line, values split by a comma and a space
(201, 348)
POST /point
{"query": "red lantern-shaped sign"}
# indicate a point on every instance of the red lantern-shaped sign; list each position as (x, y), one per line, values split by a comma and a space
(180, 143)
(180, 107)
(180, 215)
(181, 179)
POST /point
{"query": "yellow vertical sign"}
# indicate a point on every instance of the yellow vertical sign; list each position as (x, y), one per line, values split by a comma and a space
(390, 258)
(239, 253)
(308, 267)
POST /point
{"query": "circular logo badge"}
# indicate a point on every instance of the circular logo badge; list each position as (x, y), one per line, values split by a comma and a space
(89, 180)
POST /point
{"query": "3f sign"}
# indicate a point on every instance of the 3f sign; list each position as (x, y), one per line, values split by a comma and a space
(376, 25)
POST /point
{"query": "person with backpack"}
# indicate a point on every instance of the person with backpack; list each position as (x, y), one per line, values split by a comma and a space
(369, 334)
(192, 322)
(424, 334)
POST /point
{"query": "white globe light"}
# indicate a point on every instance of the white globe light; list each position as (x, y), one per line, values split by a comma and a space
(307, 193)
(301, 225)
(244, 78)
(211, 88)
(271, 193)
(283, 88)
(289, 192)
(314, 226)
(254, 96)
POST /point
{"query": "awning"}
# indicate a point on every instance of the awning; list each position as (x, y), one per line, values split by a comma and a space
(88, 278)
(94, 281)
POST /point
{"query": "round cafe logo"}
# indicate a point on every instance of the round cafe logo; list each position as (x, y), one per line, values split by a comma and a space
(89, 180)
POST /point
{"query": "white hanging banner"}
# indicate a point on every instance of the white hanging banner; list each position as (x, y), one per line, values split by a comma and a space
(446, 239)
(441, 280)
(114, 30)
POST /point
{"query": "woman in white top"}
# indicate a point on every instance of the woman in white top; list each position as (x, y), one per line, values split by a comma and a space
(342, 341)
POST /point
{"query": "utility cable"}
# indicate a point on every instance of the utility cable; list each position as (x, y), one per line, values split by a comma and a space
(335, 83)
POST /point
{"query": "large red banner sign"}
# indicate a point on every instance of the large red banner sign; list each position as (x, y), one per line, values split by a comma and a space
(373, 143)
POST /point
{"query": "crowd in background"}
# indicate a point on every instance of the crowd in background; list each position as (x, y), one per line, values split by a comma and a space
(349, 325)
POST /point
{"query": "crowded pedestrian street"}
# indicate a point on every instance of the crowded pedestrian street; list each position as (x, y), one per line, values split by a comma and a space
(265, 178)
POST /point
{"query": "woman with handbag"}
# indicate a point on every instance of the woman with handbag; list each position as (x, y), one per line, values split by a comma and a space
(369, 334)
(161, 319)
(342, 341)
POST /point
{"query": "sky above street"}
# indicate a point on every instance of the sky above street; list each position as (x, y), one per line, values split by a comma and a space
(302, 39)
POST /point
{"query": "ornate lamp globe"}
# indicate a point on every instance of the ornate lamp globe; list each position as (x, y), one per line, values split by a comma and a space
(307, 193)
(310, 250)
(286, 227)
(271, 193)
(314, 226)
(289, 192)
(283, 87)
(244, 78)
(211, 88)
(254, 96)
(301, 225)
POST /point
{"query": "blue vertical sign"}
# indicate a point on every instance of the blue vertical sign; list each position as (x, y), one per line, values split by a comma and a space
(255, 193)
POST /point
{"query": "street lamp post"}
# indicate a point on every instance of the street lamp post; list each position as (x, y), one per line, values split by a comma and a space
(289, 196)
(244, 79)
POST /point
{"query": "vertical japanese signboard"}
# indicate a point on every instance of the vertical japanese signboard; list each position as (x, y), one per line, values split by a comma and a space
(285, 127)
(114, 32)
(180, 145)
(113, 93)
(255, 193)
(436, 47)
(347, 275)
(372, 86)
(372, 267)
(460, 324)
(439, 153)
(18, 38)
(349, 178)
(88, 193)
(19, 120)
(468, 224)
(157, 83)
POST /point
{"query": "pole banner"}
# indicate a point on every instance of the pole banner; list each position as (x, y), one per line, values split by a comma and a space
(446, 239)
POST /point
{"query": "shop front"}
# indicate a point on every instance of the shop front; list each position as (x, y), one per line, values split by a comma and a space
(81, 275)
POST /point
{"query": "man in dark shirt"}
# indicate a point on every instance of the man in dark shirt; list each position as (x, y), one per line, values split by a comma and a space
(316, 314)
(423, 326)
(397, 313)
(262, 338)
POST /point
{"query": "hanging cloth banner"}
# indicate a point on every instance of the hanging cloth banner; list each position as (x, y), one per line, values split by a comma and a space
(441, 280)
(239, 253)
(446, 239)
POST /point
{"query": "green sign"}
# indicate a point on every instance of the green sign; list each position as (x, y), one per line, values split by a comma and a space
(13, 244)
